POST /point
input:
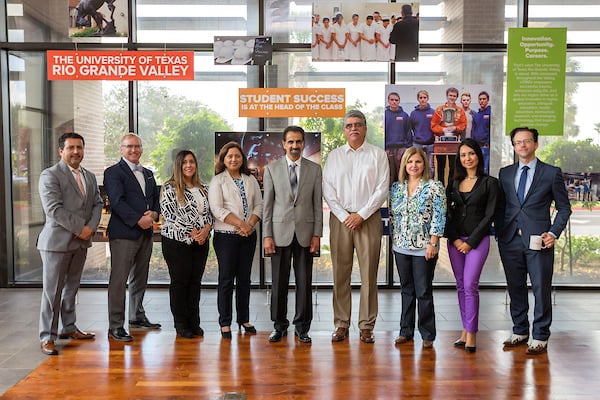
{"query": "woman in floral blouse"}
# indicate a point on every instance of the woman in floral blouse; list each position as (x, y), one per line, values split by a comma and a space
(185, 231)
(418, 216)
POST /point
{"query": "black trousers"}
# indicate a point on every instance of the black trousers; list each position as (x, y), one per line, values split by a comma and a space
(235, 254)
(186, 264)
(416, 286)
(281, 263)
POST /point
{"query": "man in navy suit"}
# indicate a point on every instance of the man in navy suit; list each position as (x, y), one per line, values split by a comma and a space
(527, 189)
(72, 205)
(134, 201)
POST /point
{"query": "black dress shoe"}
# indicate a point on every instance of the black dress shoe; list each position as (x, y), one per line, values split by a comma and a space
(303, 337)
(277, 335)
(198, 331)
(119, 334)
(143, 324)
(186, 333)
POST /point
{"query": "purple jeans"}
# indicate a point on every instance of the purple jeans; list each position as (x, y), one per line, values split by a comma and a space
(467, 271)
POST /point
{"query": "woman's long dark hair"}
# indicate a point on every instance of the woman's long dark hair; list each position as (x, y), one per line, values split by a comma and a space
(460, 172)
(177, 178)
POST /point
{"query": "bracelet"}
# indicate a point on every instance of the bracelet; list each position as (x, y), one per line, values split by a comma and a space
(432, 244)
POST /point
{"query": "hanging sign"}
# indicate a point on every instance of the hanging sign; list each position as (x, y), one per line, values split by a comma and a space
(292, 102)
(120, 65)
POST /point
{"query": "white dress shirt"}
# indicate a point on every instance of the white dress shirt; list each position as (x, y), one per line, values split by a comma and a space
(139, 175)
(356, 180)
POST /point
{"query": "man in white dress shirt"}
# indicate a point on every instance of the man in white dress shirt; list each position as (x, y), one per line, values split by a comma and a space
(355, 184)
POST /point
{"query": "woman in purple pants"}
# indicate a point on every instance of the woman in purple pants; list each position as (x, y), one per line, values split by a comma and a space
(471, 205)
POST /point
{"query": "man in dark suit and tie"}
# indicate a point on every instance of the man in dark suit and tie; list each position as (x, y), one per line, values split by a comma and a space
(72, 205)
(527, 189)
(292, 229)
(134, 201)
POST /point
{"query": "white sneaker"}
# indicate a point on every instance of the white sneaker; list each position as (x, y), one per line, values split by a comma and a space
(537, 346)
(516, 340)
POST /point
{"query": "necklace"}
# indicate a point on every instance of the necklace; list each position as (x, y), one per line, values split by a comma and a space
(471, 177)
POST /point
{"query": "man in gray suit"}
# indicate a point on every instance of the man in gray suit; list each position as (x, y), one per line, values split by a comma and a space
(72, 204)
(292, 228)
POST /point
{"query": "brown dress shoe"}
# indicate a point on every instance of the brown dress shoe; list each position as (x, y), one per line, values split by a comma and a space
(49, 348)
(427, 344)
(77, 335)
(340, 334)
(402, 340)
(366, 336)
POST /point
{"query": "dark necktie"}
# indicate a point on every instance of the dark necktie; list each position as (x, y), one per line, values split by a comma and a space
(293, 178)
(522, 183)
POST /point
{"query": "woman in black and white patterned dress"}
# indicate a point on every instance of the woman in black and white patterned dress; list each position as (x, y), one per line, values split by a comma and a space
(185, 232)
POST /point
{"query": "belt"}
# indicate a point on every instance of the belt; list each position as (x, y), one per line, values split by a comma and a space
(225, 231)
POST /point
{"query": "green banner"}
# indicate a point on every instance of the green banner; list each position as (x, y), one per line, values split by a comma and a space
(535, 84)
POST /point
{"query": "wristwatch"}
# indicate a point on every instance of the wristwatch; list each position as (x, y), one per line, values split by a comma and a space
(432, 244)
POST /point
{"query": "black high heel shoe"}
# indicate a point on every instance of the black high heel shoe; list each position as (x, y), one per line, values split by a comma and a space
(470, 349)
(248, 328)
(225, 334)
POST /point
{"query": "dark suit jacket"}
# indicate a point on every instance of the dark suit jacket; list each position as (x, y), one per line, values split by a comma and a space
(405, 35)
(474, 215)
(534, 214)
(285, 215)
(127, 201)
(67, 210)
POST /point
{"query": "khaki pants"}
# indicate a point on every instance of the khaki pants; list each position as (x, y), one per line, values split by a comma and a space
(367, 242)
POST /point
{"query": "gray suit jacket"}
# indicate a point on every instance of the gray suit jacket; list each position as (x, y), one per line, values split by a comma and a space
(284, 215)
(66, 209)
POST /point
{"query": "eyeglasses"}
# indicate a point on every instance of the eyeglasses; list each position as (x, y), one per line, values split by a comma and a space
(132, 146)
(524, 141)
(354, 125)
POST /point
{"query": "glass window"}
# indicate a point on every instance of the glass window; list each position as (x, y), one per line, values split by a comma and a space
(194, 22)
(35, 127)
(581, 18)
(174, 115)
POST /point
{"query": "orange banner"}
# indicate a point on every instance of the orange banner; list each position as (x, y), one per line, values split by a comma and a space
(291, 102)
(120, 65)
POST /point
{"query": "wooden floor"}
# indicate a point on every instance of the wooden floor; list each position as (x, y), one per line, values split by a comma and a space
(159, 365)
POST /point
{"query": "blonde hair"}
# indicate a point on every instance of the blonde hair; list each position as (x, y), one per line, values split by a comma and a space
(411, 151)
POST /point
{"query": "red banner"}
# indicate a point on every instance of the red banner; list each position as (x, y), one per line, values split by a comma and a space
(120, 65)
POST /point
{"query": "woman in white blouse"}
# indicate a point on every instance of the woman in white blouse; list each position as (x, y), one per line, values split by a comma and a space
(185, 231)
(236, 202)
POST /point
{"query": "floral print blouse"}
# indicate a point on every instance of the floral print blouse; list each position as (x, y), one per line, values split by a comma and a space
(415, 219)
